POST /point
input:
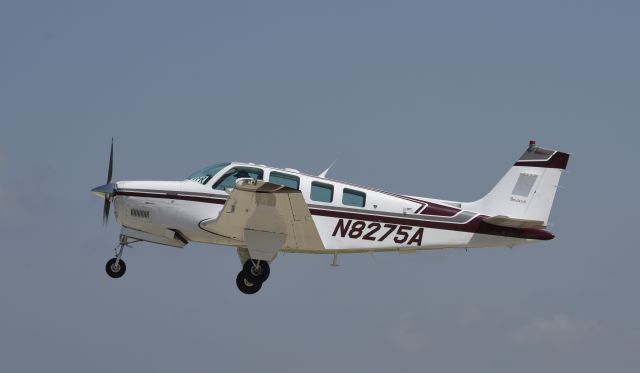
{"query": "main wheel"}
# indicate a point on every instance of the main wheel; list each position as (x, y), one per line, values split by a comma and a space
(116, 270)
(245, 285)
(259, 273)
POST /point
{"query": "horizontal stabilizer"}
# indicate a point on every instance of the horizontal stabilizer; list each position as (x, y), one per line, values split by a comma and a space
(505, 221)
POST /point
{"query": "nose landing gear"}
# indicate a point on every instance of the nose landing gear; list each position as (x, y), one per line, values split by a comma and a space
(116, 267)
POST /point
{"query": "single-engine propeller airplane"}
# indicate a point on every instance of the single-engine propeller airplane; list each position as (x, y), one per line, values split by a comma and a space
(264, 210)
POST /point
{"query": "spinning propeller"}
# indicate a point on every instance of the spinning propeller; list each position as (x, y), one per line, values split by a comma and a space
(107, 190)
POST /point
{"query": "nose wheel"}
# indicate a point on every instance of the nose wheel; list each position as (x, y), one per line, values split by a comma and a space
(116, 268)
(254, 273)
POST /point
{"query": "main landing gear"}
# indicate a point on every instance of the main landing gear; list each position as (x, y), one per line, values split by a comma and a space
(116, 267)
(254, 273)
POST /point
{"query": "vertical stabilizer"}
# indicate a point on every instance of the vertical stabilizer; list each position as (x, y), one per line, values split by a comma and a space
(528, 189)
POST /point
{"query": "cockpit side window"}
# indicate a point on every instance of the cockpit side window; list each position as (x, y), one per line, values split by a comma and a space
(228, 180)
(204, 175)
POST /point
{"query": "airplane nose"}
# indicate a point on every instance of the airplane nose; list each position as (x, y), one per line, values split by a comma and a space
(103, 190)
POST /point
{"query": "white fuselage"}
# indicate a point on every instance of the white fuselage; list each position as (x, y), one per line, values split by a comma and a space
(348, 218)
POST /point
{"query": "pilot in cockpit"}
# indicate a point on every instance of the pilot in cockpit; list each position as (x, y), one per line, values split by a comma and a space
(242, 174)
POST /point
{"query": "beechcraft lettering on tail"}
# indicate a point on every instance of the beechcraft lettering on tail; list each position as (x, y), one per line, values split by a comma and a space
(262, 211)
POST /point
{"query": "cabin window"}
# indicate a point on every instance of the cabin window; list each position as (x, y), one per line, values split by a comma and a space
(352, 197)
(228, 180)
(285, 179)
(321, 192)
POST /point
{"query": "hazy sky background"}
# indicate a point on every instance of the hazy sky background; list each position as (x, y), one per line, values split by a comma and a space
(424, 98)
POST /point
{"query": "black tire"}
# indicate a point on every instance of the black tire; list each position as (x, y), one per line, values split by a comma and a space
(245, 285)
(113, 271)
(261, 275)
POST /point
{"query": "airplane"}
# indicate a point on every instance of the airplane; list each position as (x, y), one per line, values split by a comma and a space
(262, 211)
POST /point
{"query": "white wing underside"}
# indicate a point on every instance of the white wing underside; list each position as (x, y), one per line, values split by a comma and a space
(268, 218)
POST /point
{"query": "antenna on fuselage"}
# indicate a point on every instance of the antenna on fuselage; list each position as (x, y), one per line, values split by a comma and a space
(323, 174)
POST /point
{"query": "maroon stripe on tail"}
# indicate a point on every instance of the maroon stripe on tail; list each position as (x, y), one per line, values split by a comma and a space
(558, 160)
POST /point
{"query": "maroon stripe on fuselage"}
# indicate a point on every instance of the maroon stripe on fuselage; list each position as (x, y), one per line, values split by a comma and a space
(439, 210)
(410, 199)
(182, 197)
(466, 227)
(428, 208)
(475, 225)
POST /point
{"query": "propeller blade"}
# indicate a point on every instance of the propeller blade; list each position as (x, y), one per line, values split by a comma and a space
(105, 210)
(110, 172)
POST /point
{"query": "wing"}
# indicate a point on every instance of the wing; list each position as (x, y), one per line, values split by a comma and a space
(267, 217)
(505, 221)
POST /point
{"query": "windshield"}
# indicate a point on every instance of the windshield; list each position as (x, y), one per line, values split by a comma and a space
(228, 180)
(203, 176)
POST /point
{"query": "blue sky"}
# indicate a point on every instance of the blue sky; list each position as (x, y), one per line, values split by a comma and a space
(424, 98)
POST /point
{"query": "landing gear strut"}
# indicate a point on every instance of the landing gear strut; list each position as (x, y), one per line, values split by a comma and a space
(253, 274)
(256, 270)
(116, 267)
